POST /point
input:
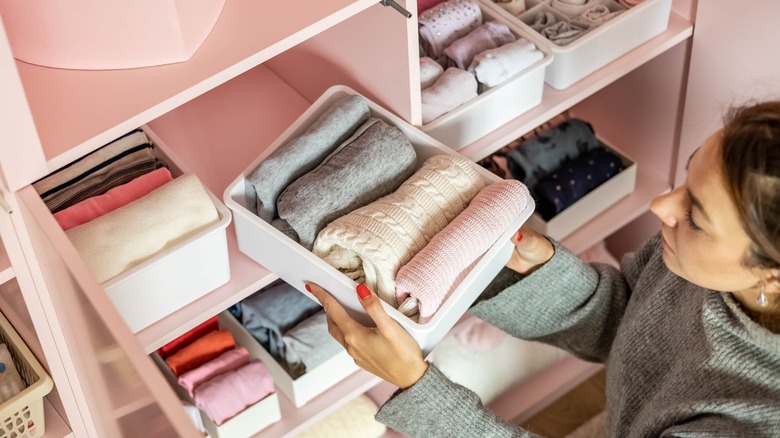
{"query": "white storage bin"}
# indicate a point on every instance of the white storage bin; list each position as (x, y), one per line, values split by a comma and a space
(306, 387)
(177, 276)
(592, 204)
(251, 420)
(296, 265)
(596, 47)
(498, 105)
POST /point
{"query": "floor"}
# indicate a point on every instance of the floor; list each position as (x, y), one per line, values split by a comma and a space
(572, 410)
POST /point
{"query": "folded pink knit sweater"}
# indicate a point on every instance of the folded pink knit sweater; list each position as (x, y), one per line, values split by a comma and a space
(429, 278)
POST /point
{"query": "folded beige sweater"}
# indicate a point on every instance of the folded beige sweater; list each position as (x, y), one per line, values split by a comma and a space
(129, 235)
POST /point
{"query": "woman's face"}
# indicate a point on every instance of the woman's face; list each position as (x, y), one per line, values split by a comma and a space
(702, 237)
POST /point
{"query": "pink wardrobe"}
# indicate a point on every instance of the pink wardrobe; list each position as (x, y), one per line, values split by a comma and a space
(257, 71)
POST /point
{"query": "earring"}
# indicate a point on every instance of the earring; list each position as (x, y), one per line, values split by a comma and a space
(761, 298)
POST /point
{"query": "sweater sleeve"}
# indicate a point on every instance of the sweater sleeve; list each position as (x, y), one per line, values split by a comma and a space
(436, 406)
(567, 303)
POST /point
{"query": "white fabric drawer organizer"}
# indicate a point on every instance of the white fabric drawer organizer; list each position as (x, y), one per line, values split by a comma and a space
(498, 105)
(296, 265)
(598, 46)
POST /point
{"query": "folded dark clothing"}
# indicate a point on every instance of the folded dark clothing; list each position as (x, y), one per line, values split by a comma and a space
(575, 179)
(272, 311)
(536, 157)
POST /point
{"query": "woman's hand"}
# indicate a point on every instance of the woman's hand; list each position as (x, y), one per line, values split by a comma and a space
(532, 250)
(387, 351)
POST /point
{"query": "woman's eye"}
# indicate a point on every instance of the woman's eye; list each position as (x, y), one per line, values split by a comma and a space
(691, 224)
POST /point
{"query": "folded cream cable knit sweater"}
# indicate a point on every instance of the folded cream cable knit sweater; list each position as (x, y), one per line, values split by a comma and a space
(682, 361)
(370, 244)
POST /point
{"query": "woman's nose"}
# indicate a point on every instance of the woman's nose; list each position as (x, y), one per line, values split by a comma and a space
(666, 207)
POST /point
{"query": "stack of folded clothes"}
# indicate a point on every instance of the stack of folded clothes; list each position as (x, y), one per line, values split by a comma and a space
(389, 239)
(463, 56)
(221, 377)
(559, 165)
(290, 326)
(121, 206)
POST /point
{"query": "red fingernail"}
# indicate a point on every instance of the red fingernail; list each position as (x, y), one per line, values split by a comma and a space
(519, 235)
(362, 291)
(308, 288)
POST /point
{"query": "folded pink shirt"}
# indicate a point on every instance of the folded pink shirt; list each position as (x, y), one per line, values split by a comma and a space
(429, 278)
(227, 361)
(224, 396)
(96, 206)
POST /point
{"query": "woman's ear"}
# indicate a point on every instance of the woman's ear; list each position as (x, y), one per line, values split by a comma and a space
(772, 281)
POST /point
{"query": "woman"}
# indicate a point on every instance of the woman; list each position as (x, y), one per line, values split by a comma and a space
(688, 330)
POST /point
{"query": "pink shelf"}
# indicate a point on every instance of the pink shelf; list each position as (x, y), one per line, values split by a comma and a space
(55, 425)
(555, 101)
(76, 111)
(296, 420)
(6, 270)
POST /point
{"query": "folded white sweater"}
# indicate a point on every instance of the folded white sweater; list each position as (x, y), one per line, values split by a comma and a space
(133, 233)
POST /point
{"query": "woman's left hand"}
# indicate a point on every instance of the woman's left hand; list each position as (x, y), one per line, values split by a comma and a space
(386, 351)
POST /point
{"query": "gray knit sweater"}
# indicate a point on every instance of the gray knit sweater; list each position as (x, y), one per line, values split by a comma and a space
(681, 361)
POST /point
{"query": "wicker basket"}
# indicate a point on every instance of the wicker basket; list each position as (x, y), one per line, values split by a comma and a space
(22, 415)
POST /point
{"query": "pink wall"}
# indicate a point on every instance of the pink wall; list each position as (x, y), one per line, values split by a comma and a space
(728, 67)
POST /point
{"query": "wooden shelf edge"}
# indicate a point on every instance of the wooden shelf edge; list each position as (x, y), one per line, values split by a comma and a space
(55, 425)
(296, 420)
(533, 394)
(556, 101)
(648, 186)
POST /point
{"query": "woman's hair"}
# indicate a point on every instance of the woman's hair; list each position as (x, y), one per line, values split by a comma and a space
(751, 163)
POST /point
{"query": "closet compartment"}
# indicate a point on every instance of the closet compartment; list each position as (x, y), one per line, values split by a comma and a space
(296, 265)
(591, 205)
(306, 387)
(596, 47)
(178, 274)
(498, 105)
(23, 414)
(251, 420)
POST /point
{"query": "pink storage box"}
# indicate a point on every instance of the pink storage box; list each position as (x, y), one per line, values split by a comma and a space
(107, 34)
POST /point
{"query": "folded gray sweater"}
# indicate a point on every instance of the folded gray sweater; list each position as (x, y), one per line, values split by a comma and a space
(370, 164)
(302, 154)
(681, 360)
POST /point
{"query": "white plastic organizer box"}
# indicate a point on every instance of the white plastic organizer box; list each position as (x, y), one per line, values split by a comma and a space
(177, 276)
(251, 420)
(497, 106)
(306, 387)
(598, 46)
(296, 265)
(592, 204)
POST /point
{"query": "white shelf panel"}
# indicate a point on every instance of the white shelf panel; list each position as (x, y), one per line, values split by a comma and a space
(555, 101)
(620, 214)
(55, 425)
(76, 111)
(296, 420)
